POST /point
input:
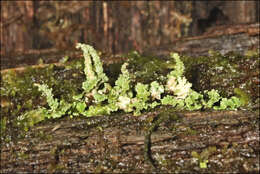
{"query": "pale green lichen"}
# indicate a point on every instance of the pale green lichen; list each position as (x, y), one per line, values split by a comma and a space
(47, 92)
(228, 104)
(156, 90)
(57, 108)
(94, 101)
(179, 87)
(123, 83)
(124, 103)
(169, 100)
(178, 68)
(121, 93)
(94, 75)
(213, 96)
(140, 102)
(177, 83)
(194, 101)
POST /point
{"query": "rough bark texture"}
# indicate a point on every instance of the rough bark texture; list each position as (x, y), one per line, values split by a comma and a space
(229, 140)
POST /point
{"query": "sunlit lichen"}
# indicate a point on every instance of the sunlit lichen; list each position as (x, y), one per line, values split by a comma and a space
(57, 108)
(169, 100)
(121, 94)
(178, 68)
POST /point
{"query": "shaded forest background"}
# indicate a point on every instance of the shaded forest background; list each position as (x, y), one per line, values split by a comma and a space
(114, 27)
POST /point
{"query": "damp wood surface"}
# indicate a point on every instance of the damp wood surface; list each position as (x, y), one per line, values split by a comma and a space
(116, 144)
(227, 140)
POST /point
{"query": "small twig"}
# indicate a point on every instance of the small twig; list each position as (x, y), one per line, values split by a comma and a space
(147, 141)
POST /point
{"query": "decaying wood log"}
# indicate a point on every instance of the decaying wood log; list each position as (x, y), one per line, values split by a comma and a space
(18, 68)
(219, 141)
(237, 38)
(228, 140)
(32, 57)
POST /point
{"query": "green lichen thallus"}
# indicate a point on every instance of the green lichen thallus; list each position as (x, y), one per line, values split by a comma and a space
(100, 98)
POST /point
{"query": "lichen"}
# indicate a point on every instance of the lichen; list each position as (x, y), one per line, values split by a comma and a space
(94, 75)
(57, 108)
(213, 96)
(226, 73)
(140, 102)
(156, 90)
(101, 98)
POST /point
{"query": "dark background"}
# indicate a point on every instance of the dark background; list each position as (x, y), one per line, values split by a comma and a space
(114, 27)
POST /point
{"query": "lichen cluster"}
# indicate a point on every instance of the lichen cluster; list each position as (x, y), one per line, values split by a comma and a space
(101, 98)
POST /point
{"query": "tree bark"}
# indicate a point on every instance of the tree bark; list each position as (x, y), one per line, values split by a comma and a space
(117, 144)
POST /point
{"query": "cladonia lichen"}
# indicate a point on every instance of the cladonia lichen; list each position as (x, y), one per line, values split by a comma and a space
(101, 98)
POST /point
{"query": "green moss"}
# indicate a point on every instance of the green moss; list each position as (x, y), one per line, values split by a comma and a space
(3, 125)
(122, 97)
(147, 69)
(243, 96)
(22, 155)
(144, 83)
(31, 118)
(252, 54)
(21, 98)
(225, 73)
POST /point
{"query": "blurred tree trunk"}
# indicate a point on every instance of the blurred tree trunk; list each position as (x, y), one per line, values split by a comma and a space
(114, 27)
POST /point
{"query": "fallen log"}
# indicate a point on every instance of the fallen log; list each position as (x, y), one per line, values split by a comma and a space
(185, 142)
(227, 140)
(238, 38)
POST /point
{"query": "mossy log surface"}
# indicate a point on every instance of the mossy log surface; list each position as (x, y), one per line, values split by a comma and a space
(117, 144)
(224, 141)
